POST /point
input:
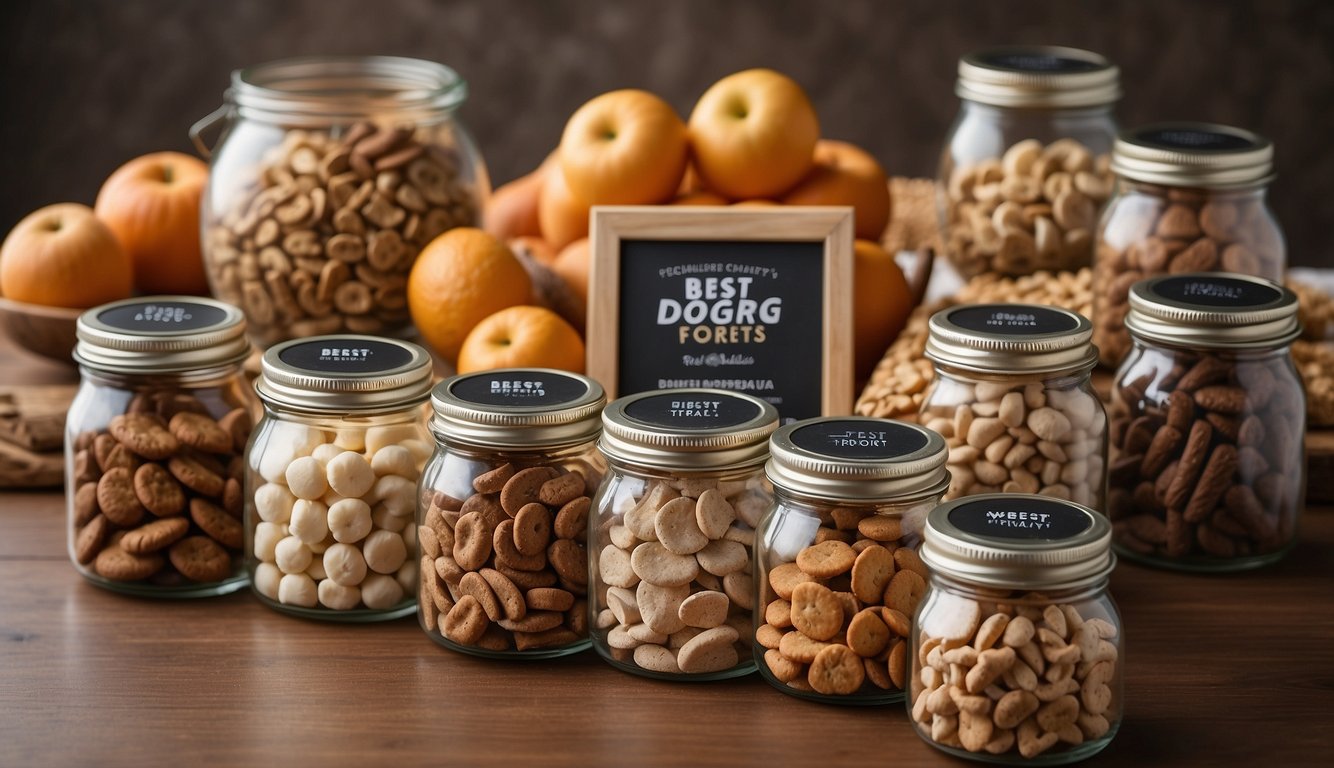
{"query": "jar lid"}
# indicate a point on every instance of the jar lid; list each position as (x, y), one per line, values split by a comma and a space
(845, 458)
(339, 374)
(1213, 309)
(1011, 338)
(1194, 155)
(518, 407)
(161, 334)
(310, 91)
(1038, 76)
(1018, 541)
(688, 429)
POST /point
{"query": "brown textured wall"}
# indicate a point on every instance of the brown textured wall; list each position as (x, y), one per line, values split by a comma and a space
(87, 85)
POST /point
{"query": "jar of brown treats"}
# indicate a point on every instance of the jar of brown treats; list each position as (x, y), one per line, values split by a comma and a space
(503, 513)
(331, 477)
(154, 443)
(673, 531)
(331, 174)
(1208, 424)
(837, 564)
(1190, 198)
(1017, 652)
(1025, 170)
(1015, 403)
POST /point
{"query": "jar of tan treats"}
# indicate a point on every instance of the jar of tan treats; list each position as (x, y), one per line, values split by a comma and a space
(673, 530)
(1025, 170)
(1017, 652)
(1190, 198)
(331, 477)
(1014, 401)
(330, 176)
(503, 512)
(153, 447)
(836, 559)
(1208, 424)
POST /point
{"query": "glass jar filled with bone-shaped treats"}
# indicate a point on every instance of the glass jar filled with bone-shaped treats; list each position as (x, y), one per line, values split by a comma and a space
(1014, 400)
(836, 560)
(331, 477)
(330, 176)
(671, 539)
(1208, 424)
(154, 444)
(1017, 651)
(1025, 169)
(503, 512)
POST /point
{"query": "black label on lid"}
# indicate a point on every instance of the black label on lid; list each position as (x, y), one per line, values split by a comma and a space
(1020, 518)
(346, 356)
(1216, 291)
(520, 388)
(1012, 319)
(162, 317)
(1195, 140)
(858, 439)
(692, 410)
(1038, 61)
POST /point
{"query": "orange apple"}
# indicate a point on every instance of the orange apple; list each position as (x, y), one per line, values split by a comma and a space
(563, 216)
(845, 174)
(512, 209)
(522, 336)
(63, 256)
(626, 147)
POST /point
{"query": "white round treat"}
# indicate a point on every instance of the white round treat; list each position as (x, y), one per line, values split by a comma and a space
(267, 536)
(397, 494)
(350, 520)
(292, 555)
(384, 551)
(321, 546)
(345, 564)
(331, 498)
(410, 538)
(326, 452)
(297, 589)
(305, 478)
(379, 437)
(338, 597)
(379, 592)
(316, 569)
(385, 520)
(266, 580)
(351, 439)
(283, 442)
(394, 460)
(407, 575)
(350, 474)
(310, 521)
(273, 503)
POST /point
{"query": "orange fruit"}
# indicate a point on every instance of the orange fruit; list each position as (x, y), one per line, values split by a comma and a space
(63, 256)
(753, 134)
(572, 264)
(540, 250)
(699, 197)
(845, 174)
(152, 204)
(626, 147)
(460, 278)
(881, 304)
(564, 217)
(522, 337)
(512, 210)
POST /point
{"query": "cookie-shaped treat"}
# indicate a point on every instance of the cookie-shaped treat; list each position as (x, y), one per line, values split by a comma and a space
(200, 558)
(145, 434)
(200, 432)
(158, 491)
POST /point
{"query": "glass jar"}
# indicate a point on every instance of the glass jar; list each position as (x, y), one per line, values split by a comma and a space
(1013, 398)
(671, 544)
(1017, 653)
(503, 512)
(153, 447)
(838, 571)
(1025, 170)
(1190, 197)
(1208, 424)
(330, 175)
(331, 477)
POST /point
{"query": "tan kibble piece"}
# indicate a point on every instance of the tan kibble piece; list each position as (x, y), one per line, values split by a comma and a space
(904, 592)
(867, 634)
(723, 557)
(784, 669)
(677, 528)
(816, 612)
(871, 573)
(836, 670)
(800, 648)
(705, 609)
(660, 606)
(714, 514)
(826, 559)
(655, 563)
(785, 578)
(656, 658)
(712, 650)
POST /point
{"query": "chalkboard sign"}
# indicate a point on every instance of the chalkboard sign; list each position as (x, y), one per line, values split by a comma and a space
(750, 300)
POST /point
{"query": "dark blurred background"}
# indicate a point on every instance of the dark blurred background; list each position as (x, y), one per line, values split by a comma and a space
(88, 85)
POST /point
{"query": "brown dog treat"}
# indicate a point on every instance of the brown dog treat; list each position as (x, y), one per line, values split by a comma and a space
(548, 599)
(816, 612)
(572, 520)
(212, 520)
(199, 558)
(1221, 399)
(145, 434)
(487, 508)
(233, 498)
(472, 542)
(867, 634)
(494, 480)
(1166, 443)
(157, 491)
(569, 560)
(465, 622)
(561, 490)
(907, 559)
(535, 621)
(238, 424)
(1213, 483)
(871, 572)
(155, 535)
(473, 584)
(898, 664)
(508, 555)
(88, 542)
(826, 559)
(904, 592)
(1192, 461)
(511, 599)
(785, 578)
(101, 450)
(528, 579)
(196, 475)
(550, 638)
(85, 503)
(114, 563)
(881, 527)
(201, 432)
(836, 671)
(524, 488)
(117, 499)
(532, 529)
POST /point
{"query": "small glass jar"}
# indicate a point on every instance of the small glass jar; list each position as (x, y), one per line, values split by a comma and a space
(153, 447)
(1017, 652)
(331, 477)
(1025, 170)
(1014, 401)
(503, 512)
(1190, 197)
(1208, 425)
(330, 176)
(670, 548)
(837, 564)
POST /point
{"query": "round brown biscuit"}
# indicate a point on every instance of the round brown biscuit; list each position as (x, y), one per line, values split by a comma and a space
(466, 621)
(157, 491)
(799, 648)
(705, 609)
(200, 558)
(117, 499)
(881, 527)
(549, 599)
(528, 579)
(877, 672)
(511, 599)
(898, 622)
(238, 424)
(493, 480)
(88, 542)
(572, 519)
(907, 559)
(549, 638)
(904, 592)
(568, 558)
(675, 525)
(199, 431)
(534, 621)
(85, 503)
(212, 520)
(769, 636)
(114, 563)
(782, 668)
(532, 529)
(712, 650)
(233, 498)
(562, 489)
(524, 488)
(836, 671)
(155, 535)
(576, 618)
(487, 508)
(714, 514)
(196, 475)
(779, 613)
(816, 612)
(898, 663)
(785, 578)
(826, 559)
(101, 450)
(871, 572)
(120, 456)
(867, 634)
(473, 584)
(145, 434)
(509, 555)
(472, 542)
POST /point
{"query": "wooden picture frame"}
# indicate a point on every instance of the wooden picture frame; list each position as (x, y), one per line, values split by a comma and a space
(757, 272)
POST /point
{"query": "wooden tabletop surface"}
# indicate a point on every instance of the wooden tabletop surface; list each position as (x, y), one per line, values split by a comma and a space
(1230, 670)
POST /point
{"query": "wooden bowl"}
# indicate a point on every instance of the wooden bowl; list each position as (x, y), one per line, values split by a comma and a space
(45, 331)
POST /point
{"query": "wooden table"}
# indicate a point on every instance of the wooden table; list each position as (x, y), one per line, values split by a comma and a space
(1228, 670)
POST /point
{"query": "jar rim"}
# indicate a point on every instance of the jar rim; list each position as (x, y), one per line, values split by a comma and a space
(739, 438)
(161, 334)
(1038, 76)
(300, 375)
(332, 88)
(1187, 154)
(842, 458)
(518, 408)
(1011, 338)
(1214, 310)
